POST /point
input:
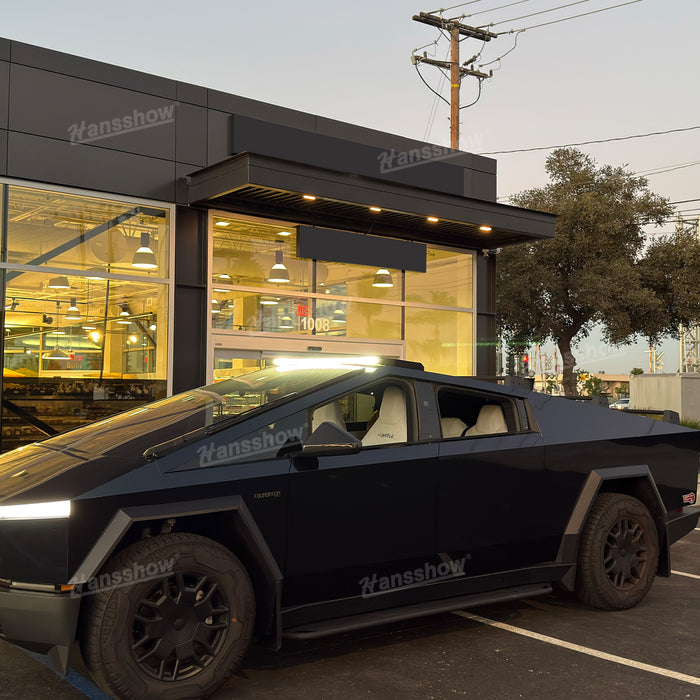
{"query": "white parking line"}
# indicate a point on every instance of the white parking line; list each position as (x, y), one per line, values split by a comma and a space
(583, 650)
(681, 573)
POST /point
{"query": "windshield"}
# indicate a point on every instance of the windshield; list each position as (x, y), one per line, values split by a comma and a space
(192, 410)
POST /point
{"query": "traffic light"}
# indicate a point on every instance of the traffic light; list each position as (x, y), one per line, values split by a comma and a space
(525, 363)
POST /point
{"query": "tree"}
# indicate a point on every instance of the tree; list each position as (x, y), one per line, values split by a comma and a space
(598, 269)
(636, 370)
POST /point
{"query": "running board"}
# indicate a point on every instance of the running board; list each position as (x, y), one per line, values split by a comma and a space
(314, 630)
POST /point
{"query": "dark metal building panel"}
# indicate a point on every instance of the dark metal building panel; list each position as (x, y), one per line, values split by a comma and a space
(3, 152)
(78, 67)
(485, 345)
(234, 104)
(356, 248)
(49, 160)
(4, 92)
(486, 284)
(191, 134)
(218, 136)
(412, 167)
(71, 109)
(193, 94)
(182, 188)
(383, 140)
(190, 322)
(5, 49)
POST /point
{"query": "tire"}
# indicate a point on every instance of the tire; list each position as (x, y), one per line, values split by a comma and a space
(618, 553)
(178, 634)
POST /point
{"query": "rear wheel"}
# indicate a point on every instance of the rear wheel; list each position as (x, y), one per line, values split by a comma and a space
(181, 625)
(618, 553)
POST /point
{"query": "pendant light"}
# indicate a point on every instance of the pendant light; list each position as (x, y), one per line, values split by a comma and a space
(279, 272)
(383, 278)
(144, 258)
(124, 315)
(57, 353)
(286, 320)
(73, 313)
(60, 282)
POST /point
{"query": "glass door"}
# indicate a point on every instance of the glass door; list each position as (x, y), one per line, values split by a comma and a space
(232, 356)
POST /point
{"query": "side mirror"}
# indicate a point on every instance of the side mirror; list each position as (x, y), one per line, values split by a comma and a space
(329, 439)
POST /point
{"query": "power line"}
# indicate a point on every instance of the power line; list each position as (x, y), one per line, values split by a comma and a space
(685, 201)
(461, 4)
(565, 19)
(541, 12)
(586, 143)
(493, 9)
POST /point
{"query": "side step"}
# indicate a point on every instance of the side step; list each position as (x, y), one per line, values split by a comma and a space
(314, 630)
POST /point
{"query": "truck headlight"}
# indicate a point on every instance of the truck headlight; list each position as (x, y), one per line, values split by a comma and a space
(35, 511)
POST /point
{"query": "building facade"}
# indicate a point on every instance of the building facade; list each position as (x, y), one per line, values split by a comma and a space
(157, 235)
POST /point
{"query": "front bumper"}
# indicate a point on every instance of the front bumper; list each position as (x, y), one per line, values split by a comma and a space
(679, 524)
(43, 622)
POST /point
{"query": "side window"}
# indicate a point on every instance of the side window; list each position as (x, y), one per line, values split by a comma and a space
(472, 414)
(379, 414)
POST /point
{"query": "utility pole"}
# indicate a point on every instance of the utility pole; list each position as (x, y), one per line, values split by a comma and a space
(457, 71)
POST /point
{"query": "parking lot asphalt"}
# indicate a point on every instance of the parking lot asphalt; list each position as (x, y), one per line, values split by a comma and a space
(551, 646)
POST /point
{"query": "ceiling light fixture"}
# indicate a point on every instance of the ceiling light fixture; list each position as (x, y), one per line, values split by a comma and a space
(73, 313)
(124, 315)
(374, 209)
(215, 309)
(485, 228)
(279, 272)
(286, 320)
(60, 282)
(144, 258)
(309, 197)
(383, 278)
(268, 301)
(284, 233)
(433, 219)
(56, 353)
(222, 223)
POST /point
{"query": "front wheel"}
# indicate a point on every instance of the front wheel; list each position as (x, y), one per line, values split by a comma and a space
(618, 553)
(178, 628)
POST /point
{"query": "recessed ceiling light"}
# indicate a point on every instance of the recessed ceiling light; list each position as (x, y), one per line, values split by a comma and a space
(374, 209)
(222, 223)
(310, 197)
(433, 219)
(284, 233)
(485, 228)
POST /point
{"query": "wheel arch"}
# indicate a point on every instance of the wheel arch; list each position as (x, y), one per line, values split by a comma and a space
(225, 520)
(633, 480)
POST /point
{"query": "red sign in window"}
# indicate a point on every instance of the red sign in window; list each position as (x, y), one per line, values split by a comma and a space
(302, 310)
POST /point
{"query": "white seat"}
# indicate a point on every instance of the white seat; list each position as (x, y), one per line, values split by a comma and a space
(328, 413)
(452, 427)
(390, 425)
(489, 422)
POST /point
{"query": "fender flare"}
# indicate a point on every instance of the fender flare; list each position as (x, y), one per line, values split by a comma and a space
(124, 518)
(568, 547)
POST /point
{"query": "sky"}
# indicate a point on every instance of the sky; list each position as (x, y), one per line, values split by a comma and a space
(630, 70)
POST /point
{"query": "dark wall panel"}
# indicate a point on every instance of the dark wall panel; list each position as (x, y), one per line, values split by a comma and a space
(48, 160)
(486, 283)
(358, 249)
(194, 94)
(5, 49)
(486, 345)
(65, 63)
(296, 145)
(218, 136)
(190, 320)
(4, 92)
(48, 104)
(3, 152)
(233, 104)
(191, 134)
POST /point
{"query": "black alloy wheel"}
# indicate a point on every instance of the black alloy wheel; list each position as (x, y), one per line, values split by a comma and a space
(618, 553)
(178, 633)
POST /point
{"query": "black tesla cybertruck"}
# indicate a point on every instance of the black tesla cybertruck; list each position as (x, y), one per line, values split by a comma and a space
(319, 496)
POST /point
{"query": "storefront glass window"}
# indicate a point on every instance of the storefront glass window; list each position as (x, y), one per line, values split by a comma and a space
(86, 233)
(86, 337)
(447, 280)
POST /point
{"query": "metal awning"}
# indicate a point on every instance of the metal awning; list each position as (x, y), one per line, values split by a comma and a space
(248, 183)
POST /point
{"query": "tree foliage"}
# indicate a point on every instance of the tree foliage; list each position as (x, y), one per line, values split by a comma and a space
(599, 268)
